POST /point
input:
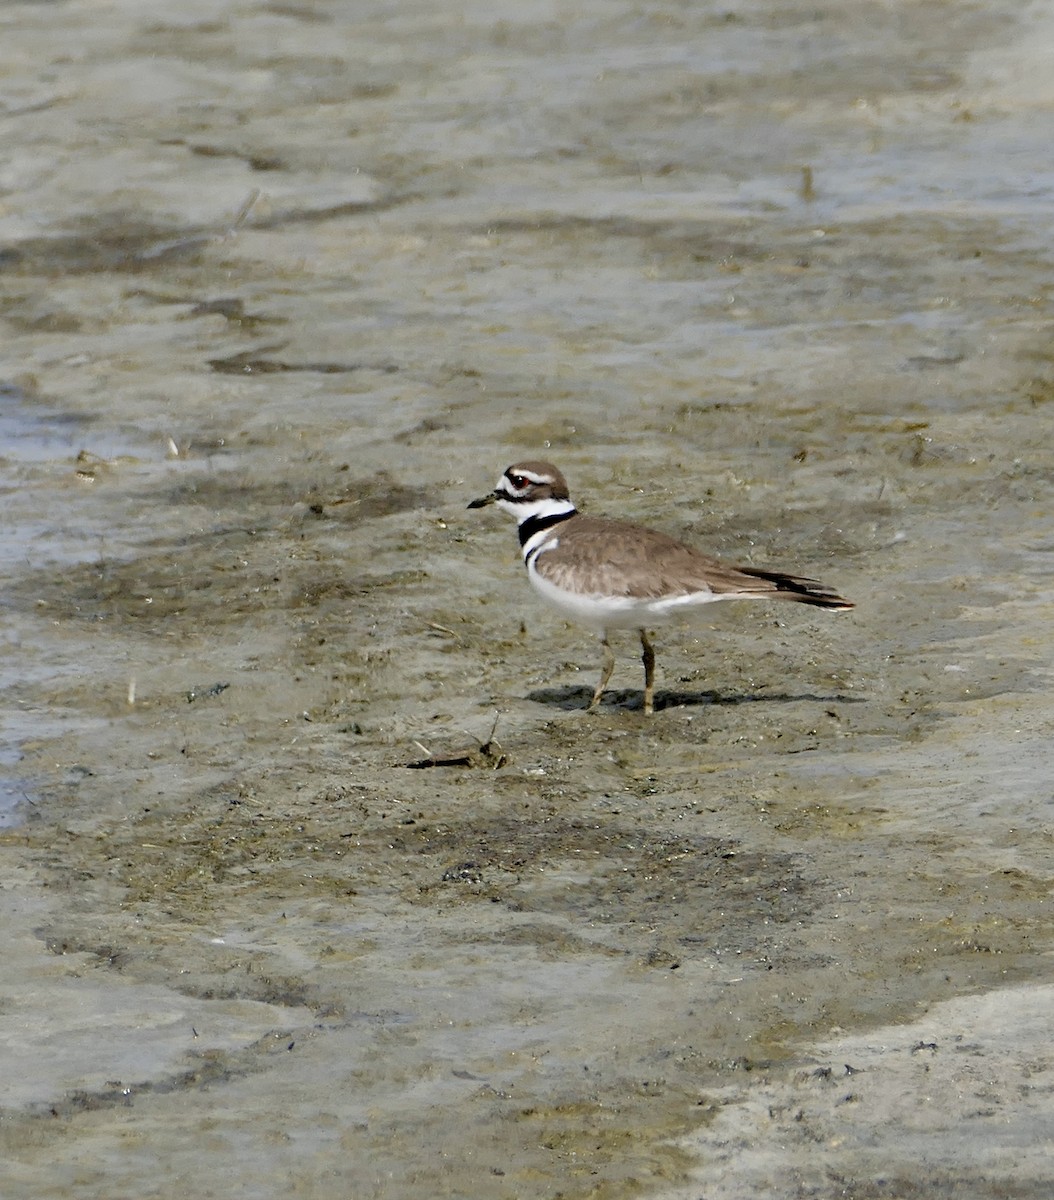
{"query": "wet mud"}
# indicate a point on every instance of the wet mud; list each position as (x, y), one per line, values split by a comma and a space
(317, 878)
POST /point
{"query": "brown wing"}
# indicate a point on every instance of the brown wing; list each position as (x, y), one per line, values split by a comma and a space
(615, 558)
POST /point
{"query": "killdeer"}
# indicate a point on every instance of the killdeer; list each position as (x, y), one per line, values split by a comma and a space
(615, 575)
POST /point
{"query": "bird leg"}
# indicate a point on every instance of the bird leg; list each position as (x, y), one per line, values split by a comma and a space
(605, 671)
(648, 658)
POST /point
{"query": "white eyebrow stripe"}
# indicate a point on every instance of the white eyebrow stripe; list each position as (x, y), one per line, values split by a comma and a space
(532, 477)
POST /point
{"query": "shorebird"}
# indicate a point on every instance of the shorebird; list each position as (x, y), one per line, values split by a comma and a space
(609, 574)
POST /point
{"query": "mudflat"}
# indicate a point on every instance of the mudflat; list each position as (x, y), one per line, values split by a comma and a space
(317, 880)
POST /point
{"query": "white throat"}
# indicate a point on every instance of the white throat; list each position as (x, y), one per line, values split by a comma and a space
(525, 510)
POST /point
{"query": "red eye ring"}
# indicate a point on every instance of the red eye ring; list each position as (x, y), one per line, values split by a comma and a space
(519, 481)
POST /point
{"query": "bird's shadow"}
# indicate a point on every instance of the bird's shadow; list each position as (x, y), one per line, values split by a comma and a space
(570, 698)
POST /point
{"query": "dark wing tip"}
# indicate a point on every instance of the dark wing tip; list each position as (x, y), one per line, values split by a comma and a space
(801, 588)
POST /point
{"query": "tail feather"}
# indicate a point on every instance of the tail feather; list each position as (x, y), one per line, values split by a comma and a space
(797, 587)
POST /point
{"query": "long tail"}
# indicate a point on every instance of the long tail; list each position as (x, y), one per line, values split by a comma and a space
(796, 587)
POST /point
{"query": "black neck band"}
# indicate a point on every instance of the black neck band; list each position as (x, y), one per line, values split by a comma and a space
(533, 525)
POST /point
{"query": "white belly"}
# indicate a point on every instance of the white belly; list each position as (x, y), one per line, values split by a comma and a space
(618, 612)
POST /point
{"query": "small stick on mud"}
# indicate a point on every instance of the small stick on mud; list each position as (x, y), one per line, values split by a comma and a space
(489, 754)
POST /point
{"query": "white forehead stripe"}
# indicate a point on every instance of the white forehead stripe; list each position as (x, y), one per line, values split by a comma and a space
(533, 476)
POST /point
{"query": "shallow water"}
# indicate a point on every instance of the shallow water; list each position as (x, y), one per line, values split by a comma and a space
(299, 282)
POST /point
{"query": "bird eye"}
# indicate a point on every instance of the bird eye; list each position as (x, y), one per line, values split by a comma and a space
(519, 481)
